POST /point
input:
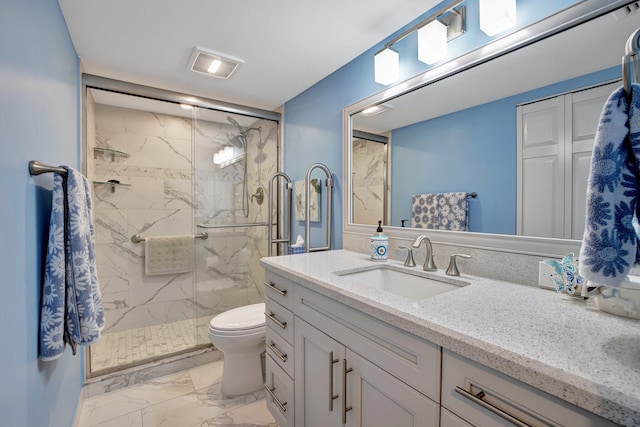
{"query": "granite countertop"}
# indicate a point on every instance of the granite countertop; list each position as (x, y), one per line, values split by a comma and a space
(550, 341)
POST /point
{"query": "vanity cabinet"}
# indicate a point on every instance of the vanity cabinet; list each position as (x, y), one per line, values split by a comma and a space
(279, 361)
(489, 398)
(329, 364)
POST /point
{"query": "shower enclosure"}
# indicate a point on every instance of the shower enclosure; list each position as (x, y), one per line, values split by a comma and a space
(159, 168)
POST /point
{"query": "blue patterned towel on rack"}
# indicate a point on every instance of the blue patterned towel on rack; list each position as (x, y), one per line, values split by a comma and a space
(610, 242)
(440, 211)
(71, 309)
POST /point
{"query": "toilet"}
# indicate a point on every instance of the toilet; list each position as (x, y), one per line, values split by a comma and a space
(240, 334)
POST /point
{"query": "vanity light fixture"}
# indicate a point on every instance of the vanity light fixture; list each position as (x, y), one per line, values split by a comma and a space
(212, 63)
(433, 34)
(497, 16)
(432, 42)
(386, 66)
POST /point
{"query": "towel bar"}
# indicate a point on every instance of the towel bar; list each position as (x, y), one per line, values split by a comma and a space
(137, 239)
(36, 168)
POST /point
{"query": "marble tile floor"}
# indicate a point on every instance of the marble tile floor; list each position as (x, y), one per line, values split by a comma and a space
(190, 398)
(132, 346)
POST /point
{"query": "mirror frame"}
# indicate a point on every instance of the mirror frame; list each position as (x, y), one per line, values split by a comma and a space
(558, 22)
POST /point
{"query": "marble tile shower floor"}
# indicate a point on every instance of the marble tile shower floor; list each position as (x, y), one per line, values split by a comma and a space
(185, 399)
(136, 345)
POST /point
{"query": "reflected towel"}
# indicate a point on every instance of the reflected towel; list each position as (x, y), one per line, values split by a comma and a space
(71, 310)
(610, 242)
(168, 254)
(440, 211)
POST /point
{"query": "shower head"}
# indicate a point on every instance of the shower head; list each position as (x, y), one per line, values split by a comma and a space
(237, 141)
(236, 124)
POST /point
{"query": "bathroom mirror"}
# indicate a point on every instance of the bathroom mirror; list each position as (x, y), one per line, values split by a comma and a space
(534, 67)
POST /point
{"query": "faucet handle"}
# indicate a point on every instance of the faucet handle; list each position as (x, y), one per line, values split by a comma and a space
(409, 262)
(452, 270)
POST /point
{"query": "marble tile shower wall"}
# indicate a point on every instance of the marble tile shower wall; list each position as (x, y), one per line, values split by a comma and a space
(228, 273)
(158, 201)
(368, 181)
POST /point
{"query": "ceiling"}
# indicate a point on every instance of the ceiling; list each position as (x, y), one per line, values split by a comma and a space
(287, 45)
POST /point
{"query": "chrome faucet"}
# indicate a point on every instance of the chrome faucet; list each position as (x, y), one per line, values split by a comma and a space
(429, 264)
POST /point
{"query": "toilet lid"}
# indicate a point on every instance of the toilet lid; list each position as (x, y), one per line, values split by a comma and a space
(241, 318)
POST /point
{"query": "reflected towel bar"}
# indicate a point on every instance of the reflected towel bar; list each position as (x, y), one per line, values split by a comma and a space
(137, 239)
(36, 168)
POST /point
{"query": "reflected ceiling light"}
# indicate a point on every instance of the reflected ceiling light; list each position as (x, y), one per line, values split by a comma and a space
(212, 63)
(186, 106)
(497, 16)
(386, 66)
(376, 109)
(432, 42)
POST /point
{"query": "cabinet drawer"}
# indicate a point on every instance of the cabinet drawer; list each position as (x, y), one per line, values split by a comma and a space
(405, 356)
(281, 351)
(279, 289)
(279, 319)
(279, 394)
(447, 419)
(485, 397)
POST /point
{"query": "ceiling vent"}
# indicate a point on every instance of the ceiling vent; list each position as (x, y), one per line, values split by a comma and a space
(213, 64)
(627, 10)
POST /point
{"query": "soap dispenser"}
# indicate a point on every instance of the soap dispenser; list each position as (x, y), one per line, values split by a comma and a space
(379, 244)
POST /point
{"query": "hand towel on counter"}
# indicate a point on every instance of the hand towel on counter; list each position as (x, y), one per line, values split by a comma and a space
(71, 310)
(610, 242)
(168, 254)
(440, 211)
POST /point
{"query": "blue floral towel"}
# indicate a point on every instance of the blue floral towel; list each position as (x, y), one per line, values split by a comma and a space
(71, 309)
(610, 243)
(440, 211)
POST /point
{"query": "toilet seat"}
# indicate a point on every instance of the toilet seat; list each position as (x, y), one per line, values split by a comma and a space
(242, 320)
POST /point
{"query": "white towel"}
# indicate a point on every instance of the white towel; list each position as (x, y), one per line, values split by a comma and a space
(610, 243)
(168, 254)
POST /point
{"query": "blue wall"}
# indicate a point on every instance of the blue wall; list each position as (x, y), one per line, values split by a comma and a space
(481, 141)
(39, 110)
(313, 119)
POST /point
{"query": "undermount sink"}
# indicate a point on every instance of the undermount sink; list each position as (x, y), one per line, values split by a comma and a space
(413, 285)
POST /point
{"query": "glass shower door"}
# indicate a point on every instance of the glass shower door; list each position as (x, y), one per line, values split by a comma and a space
(234, 158)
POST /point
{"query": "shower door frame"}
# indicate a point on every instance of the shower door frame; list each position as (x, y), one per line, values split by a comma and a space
(89, 81)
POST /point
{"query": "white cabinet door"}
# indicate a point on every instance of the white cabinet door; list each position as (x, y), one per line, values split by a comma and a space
(540, 194)
(318, 384)
(555, 140)
(583, 111)
(378, 399)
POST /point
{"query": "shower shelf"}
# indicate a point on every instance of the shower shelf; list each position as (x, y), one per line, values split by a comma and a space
(113, 153)
(113, 184)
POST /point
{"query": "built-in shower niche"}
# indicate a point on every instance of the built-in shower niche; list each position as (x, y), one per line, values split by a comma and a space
(169, 184)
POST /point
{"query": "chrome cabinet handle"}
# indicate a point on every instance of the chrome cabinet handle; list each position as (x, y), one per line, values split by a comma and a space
(345, 408)
(332, 396)
(276, 350)
(275, 399)
(477, 398)
(270, 315)
(273, 286)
